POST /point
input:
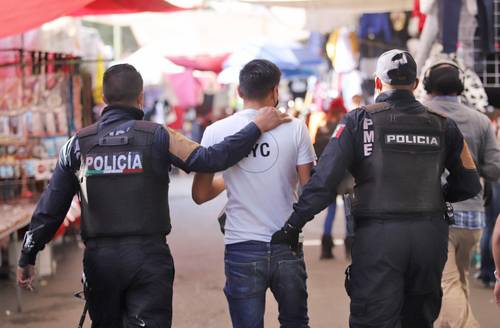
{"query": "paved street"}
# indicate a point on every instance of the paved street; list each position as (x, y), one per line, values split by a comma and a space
(197, 248)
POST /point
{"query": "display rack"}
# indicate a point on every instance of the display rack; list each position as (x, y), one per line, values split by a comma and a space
(488, 66)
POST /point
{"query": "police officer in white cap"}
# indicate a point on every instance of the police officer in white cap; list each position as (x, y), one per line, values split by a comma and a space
(396, 151)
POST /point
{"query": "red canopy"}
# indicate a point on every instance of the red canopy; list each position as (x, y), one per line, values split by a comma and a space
(106, 7)
(20, 16)
(201, 62)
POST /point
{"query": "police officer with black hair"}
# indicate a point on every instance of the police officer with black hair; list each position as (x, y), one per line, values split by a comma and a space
(119, 169)
(396, 151)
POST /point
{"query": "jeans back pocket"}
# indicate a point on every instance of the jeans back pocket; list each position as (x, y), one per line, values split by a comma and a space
(241, 279)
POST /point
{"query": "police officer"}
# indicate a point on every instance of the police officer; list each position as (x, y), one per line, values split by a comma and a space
(396, 150)
(119, 168)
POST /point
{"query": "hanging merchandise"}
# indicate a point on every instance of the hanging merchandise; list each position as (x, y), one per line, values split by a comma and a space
(399, 23)
(342, 48)
(39, 108)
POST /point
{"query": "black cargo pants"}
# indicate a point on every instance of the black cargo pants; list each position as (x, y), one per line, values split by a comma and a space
(130, 282)
(395, 277)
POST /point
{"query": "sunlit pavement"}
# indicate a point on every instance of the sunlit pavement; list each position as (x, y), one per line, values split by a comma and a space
(197, 247)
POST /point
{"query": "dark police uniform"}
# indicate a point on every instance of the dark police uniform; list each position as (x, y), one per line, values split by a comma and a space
(119, 169)
(397, 151)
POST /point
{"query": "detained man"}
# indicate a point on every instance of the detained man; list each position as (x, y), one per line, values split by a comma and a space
(261, 190)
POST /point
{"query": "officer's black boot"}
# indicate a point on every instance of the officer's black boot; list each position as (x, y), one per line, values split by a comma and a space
(326, 247)
(348, 247)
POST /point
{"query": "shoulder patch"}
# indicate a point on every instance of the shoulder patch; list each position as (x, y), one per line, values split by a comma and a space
(180, 146)
(466, 158)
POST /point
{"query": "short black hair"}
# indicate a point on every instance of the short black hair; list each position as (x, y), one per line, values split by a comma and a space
(258, 78)
(445, 80)
(122, 84)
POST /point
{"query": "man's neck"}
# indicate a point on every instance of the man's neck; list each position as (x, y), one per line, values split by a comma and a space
(255, 104)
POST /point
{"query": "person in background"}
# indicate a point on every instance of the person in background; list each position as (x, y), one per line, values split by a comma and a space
(397, 151)
(330, 119)
(443, 82)
(495, 244)
(119, 167)
(261, 190)
(492, 210)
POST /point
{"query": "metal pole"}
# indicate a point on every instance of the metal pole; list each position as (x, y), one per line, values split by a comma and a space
(117, 41)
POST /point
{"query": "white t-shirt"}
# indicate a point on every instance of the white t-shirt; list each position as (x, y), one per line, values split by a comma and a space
(262, 187)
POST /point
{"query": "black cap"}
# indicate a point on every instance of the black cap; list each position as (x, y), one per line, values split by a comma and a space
(396, 67)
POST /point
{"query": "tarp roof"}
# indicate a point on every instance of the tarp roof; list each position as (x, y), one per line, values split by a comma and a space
(106, 7)
(20, 16)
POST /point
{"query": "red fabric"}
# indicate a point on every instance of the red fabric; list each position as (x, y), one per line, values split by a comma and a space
(105, 7)
(17, 17)
(179, 122)
(417, 13)
(201, 63)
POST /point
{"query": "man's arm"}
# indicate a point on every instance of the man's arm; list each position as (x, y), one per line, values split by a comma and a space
(189, 156)
(495, 244)
(489, 159)
(304, 172)
(463, 181)
(206, 187)
(50, 211)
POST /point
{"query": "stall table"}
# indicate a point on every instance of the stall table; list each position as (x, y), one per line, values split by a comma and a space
(13, 218)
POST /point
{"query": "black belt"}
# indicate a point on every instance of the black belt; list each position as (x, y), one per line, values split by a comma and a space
(99, 241)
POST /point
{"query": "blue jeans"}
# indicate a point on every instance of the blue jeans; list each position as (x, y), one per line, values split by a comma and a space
(330, 217)
(251, 267)
(491, 212)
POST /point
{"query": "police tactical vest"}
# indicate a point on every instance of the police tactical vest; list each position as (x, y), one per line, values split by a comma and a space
(120, 194)
(402, 173)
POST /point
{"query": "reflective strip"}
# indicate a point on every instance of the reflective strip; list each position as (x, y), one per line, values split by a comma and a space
(180, 146)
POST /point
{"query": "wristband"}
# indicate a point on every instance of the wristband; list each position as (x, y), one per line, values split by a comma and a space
(497, 278)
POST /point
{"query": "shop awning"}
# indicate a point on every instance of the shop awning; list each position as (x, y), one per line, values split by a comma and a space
(107, 7)
(201, 62)
(20, 16)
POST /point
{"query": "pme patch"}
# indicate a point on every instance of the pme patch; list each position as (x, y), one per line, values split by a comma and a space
(412, 140)
(114, 163)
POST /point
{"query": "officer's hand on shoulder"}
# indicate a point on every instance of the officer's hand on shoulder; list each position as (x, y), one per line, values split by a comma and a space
(269, 117)
(287, 235)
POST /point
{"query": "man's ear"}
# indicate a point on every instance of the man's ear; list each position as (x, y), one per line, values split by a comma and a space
(417, 81)
(239, 91)
(140, 100)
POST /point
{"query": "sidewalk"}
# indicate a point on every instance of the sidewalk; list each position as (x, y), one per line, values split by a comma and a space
(199, 302)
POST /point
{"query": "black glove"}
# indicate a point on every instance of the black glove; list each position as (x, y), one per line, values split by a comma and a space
(287, 235)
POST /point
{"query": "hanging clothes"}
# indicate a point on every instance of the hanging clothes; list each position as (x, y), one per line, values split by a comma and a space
(376, 30)
(486, 26)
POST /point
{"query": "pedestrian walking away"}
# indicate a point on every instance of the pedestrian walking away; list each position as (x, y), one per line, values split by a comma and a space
(119, 169)
(396, 150)
(444, 83)
(261, 190)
